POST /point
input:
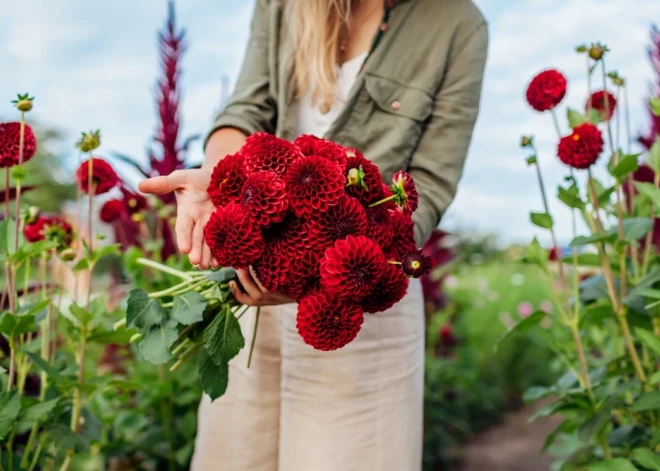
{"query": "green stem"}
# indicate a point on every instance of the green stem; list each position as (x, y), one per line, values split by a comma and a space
(606, 449)
(187, 354)
(35, 458)
(182, 346)
(163, 268)
(77, 393)
(173, 290)
(183, 335)
(389, 198)
(254, 336)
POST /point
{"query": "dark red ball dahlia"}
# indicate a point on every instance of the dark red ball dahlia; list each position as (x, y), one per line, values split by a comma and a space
(403, 236)
(352, 267)
(288, 238)
(312, 145)
(272, 271)
(269, 153)
(416, 264)
(111, 210)
(234, 239)
(345, 218)
(135, 203)
(364, 181)
(227, 180)
(52, 228)
(304, 277)
(582, 148)
(405, 192)
(264, 198)
(546, 90)
(10, 144)
(604, 102)
(326, 324)
(313, 184)
(104, 177)
(379, 227)
(390, 289)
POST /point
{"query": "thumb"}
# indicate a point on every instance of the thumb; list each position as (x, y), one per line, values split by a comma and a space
(162, 185)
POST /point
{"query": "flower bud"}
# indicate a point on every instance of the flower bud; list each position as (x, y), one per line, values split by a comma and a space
(526, 141)
(89, 141)
(23, 102)
(68, 254)
(31, 215)
(531, 160)
(18, 173)
(582, 48)
(353, 177)
(597, 51)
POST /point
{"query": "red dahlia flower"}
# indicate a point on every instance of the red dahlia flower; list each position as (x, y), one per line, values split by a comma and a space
(405, 192)
(604, 102)
(10, 144)
(288, 238)
(313, 184)
(269, 153)
(272, 271)
(49, 228)
(378, 225)
(234, 239)
(582, 148)
(227, 180)
(403, 236)
(326, 324)
(364, 180)
(546, 90)
(312, 145)
(351, 269)
(390, 289)
(104, 177)
(304, 278)
(135, 203)
(345, 218)
(416, 264)
(263, 198)
(111, 210)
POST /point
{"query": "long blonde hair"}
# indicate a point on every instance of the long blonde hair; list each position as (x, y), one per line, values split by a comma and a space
(317, 27)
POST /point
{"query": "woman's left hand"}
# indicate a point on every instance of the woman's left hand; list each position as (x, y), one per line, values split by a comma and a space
(255, 294)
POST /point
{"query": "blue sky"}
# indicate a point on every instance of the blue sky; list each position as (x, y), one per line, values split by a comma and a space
(93, 65)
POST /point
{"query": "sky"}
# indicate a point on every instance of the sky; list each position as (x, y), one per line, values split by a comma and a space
(94, 64)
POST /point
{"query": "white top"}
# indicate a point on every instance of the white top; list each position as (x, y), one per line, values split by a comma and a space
(310, 119)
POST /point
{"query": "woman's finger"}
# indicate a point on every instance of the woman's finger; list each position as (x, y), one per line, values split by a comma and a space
(195, 254)
(256, 280)
(206, 256)
(162, 185)
(240, 296)
(183, 229)
(214, 264)
(249, 285)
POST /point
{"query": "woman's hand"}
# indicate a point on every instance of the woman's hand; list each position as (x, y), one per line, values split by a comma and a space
(194, 208)
(255, 294)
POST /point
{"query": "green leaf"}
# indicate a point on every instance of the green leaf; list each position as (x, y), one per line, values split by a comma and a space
(570, 197)
(575, 118)
(593, 239)
(646, 458)
(222, 276)
(43, 365)
(7, 236)
(223, 338)
(155, 345)
(142, 311)
(189, 308)
(648, 401)
(650, 191)
(33, 309)
(10, 407)
(121, 336)
(125, 385)
(64, 439)
(105, 251)
(655, 378)
(617, 464)
(40, 410)
(628, 163)
(636, 228)
(543, 220)
(655, 105)
(31, 250)
(83, 264)
(213, 378)
(649, 339)
(81, 314)
(537, 392)
(594, 117)
(522, 326)
(11, 325)
(593, 425)
(653, 159)
(536, 254)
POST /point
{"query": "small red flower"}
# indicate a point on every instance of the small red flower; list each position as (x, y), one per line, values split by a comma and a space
(312, 145)
(269, 153)
(390, 289)
(104, 177)
(446, 335)
(582, 148)
(135, 203)
(263, 198)
(272, 270)
(546, 90)
(341, 220)
(111, 210)
(405, 192)
(313, 184)
(379, 227)
(326, 324)
(10, 140)
(416, 264)
(234, 240)
(364, 181)
(49, 228)
(604, 102)
(227, 180)
(403, 236)
(288, 238)
(304, 278)
(352, 267)
(554, 254)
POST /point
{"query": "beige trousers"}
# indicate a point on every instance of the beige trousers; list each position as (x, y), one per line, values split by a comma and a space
(298, 409)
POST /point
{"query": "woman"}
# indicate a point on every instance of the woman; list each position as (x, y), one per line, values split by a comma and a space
(400, 81)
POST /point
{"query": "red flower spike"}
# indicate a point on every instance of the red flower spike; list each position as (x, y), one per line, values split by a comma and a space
(351, 268)
(597, 101)
(234, 240)
(546, 90)
(390, 289)
(227, 180)
(272, 270)
(379, 227)
(304, 278)
(312, 145)
(416, 264)
(368, 187)
(49, 228)
(326, 324)
(111, 210)
(10, 140)
(403, 236)
(313, 184)
(405, 192)
(288, 238)
(269, 153)
(263, 198)
(104, 177)
(582, 148)
(341, 220)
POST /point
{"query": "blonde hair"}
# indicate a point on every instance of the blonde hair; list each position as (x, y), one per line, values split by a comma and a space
(317, 26)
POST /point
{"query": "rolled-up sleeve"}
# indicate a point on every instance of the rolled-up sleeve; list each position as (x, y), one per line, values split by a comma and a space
(437, 163)
(251, 107)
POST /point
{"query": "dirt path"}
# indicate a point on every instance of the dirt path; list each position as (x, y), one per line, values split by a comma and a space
(513, 445)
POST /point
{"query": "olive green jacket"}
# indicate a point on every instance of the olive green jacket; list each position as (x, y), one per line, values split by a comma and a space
(413, 106)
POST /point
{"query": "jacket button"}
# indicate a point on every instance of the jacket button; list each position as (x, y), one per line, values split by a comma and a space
(396, 104)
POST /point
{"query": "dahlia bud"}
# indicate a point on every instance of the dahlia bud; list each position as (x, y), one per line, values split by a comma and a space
(526, 141)
(616, 79)
(582, 48)
(31, 215)
(531, 160)
(23, 102)
(67, 255)
(18, 173)
(597, 51)
(89, 141)
(355, 177)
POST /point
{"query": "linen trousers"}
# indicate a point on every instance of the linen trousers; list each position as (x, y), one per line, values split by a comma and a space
(299, 409)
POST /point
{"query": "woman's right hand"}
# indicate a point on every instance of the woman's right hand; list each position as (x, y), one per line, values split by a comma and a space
(194, 208)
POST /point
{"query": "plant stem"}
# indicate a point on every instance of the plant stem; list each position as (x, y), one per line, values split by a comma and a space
(12, 363)
(630, 345)
(182, 346)
(35, 458)
(582, 360)
(174, 289)
(606, 449)
(254, 336)
(163, 268)
(77, 393)
(187, 354)
(17, 200)
(629, 181)
(385, 200)
(648, 240)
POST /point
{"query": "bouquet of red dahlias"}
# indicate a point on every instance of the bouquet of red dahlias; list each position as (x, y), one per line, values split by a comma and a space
(311, 219)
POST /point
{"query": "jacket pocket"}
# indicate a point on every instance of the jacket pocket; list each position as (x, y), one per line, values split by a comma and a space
(398, 99)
